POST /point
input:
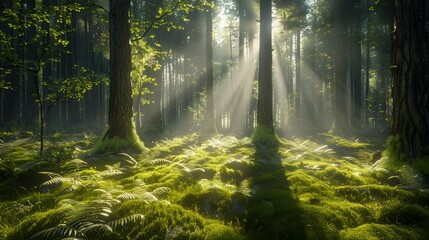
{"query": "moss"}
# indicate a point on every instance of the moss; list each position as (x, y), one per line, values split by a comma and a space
(300, 178)
(218, 231)
(379, 231)
(117, 145)
(395, 150)
(339, 177)
(265, 136)
(214, 201)
(321, 222)
(366, 193)
(354, 214)
(410, 215)
(421, 165)
(169, 221)
(39, 221)
(345, 143)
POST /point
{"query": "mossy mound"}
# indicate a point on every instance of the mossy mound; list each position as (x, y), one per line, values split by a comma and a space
(378, 231)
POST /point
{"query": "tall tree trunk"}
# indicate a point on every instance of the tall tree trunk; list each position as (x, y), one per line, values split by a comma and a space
(120, 102)
(357, 66)
(265, 96)
(411, 76)
(340, 65)
(298, 113)
(210, 118)
(368, 65)
(121, 134)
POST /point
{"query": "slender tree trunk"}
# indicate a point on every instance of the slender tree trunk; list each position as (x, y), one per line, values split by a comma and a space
(298, 93)
(210, 118)
(411, 76)
(357, 66)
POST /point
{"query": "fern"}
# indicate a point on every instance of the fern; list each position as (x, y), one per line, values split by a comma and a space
(160, 192)
(149, 197)
(121, 222)
(111, 173)
(129, 159)
(60, 231)
(160, 161)
(74, 165)
(56, 182)
(183, 168)
(128, 196)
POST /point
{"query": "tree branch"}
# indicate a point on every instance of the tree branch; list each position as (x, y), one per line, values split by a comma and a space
(159, 18)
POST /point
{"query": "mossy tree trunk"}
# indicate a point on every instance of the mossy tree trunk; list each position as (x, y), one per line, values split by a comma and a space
(121, 135)
(265, 96)
(411, 76)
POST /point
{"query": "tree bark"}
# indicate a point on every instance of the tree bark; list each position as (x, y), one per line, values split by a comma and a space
(340, 65)
(210, 118)
(265, 97)
(411, 76)
(120, 101)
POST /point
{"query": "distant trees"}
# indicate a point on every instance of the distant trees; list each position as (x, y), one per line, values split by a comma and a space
(182, 59)
(32, 36)
(411, 76)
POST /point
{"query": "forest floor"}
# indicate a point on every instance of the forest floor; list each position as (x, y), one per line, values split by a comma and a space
(197, 187)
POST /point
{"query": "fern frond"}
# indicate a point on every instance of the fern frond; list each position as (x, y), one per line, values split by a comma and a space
(149, 197)
(160, 161)
(160, 192)
(184, 168)
(129, 159)
(111, 173)
(128, 196)
(51, 174)
(96, 227)
(75, 164)
(121, 222)
(60, 231)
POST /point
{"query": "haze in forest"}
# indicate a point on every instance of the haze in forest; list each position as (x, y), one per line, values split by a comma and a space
(215, 119)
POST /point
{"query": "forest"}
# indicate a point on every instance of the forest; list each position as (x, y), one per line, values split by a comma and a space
(214, 119)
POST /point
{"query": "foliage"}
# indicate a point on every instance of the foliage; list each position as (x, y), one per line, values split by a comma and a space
(194, 187)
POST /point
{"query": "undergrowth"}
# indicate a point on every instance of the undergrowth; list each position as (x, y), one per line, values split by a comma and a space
(195, 187)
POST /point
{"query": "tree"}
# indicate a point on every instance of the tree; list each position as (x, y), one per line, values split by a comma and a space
(35, 35)
(121, 134)
(264, 131)
(340, 65)
(411, 76)
(210, 118)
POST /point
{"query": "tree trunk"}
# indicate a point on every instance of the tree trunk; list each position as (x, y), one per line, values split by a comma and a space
(210, 118)
(357, 66)
(265, 96)
(340, 65)
(298, 113)
(411, 76)
(121, 134)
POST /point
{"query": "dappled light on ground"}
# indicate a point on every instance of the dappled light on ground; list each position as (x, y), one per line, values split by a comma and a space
(199, 187)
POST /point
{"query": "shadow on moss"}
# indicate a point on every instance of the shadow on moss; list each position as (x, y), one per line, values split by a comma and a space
(273, 212)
